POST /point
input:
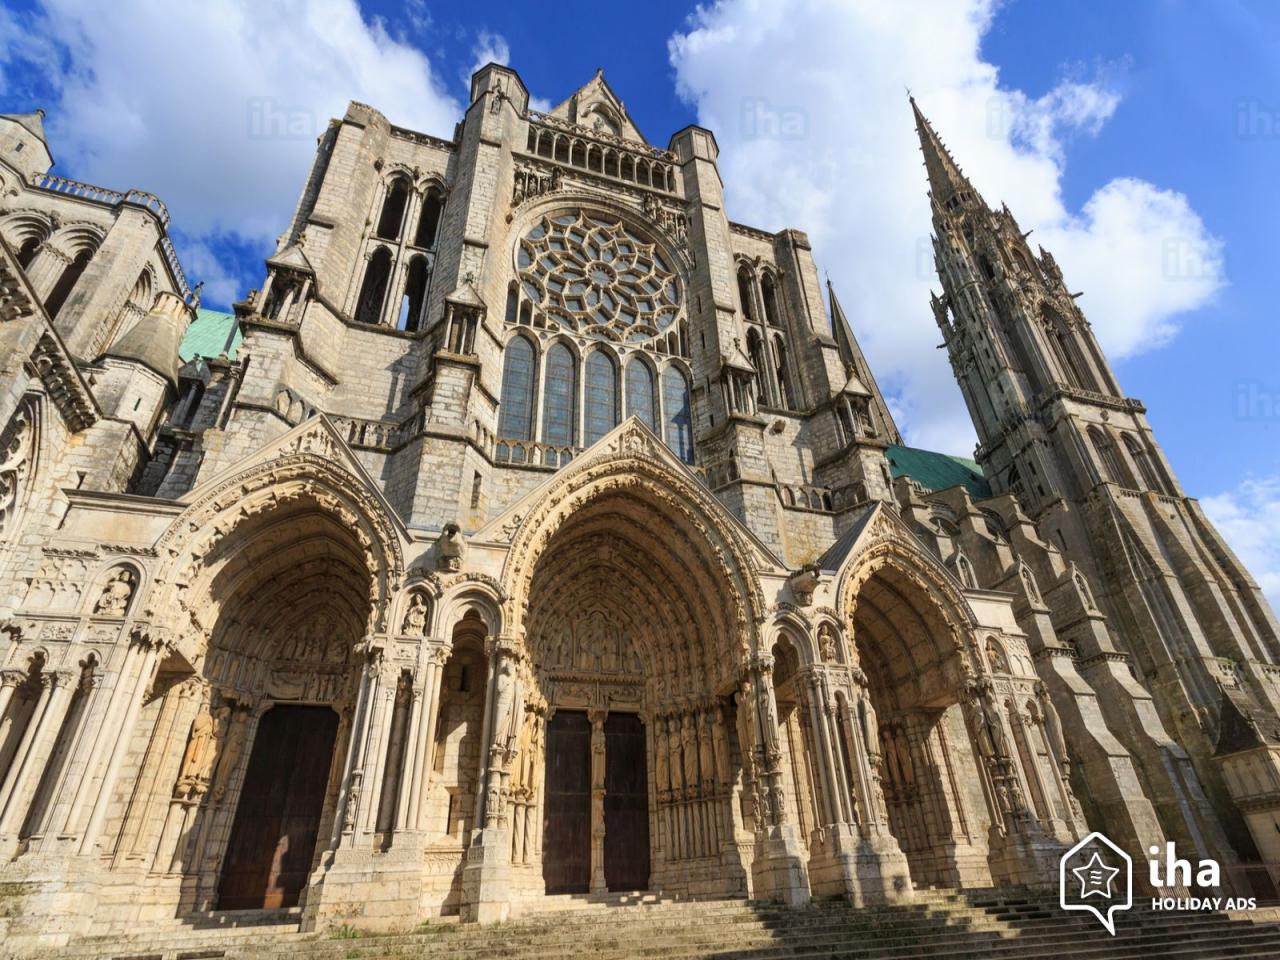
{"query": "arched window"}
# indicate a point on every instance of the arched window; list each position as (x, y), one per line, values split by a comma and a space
(559, 397)
(602, 396)
(784, 374)
(429, 220)
(755, 350)
(513, 303)
(27, 252)
(1108, 465)
(414, 302)
(515, 419)
(640, 400)
(373, 292)
(1143, 462)
(770, 296)
(393, 209)
(744, 294)
(675, 407)
(62, 289)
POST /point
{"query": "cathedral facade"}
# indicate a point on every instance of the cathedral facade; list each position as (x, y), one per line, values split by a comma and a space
(537, 530)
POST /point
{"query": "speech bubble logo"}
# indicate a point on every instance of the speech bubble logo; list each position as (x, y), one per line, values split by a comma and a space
(1096, 876)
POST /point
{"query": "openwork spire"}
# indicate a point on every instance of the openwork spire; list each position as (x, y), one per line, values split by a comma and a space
(945, 176)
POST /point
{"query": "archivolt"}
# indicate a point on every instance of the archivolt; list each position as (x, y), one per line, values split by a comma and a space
(228, 518)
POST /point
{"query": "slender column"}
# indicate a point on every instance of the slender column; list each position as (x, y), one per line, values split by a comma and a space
(100, 718)
(406, 811)
(132, 706)
(14, 773)
(382, 709)
(597, 718)
(46, 721)
(9, 682)
(344, 826)
(427, 744)
(821, 754)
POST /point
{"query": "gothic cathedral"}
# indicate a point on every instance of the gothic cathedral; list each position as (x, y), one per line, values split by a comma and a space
(537, 530)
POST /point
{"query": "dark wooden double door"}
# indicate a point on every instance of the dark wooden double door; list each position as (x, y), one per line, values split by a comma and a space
(273, 837)
(566, 835)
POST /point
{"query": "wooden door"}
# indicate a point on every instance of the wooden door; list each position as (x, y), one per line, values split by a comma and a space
(626, 804)
(566, 831)
(273, 837)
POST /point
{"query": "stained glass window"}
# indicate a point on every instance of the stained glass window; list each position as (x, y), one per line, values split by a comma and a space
(640, 401)
(675, 406)
(601, 399)
(515, 420)
(593, 274)
(559, 397)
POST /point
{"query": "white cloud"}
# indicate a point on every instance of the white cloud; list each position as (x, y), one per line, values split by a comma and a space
(216, 106)
(809, 107)
(489, 48)
(1248, 517)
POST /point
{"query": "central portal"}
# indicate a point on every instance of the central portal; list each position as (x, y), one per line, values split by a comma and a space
(567, 830)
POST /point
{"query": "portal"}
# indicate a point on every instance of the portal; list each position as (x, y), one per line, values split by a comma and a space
(273, 837)
(566, 833)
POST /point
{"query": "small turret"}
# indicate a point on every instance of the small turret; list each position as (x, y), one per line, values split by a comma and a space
(23, 147)
(140, 370)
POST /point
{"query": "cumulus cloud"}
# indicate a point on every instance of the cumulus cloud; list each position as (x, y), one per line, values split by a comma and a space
(215, 107)
(1248, 517)
(808, 101)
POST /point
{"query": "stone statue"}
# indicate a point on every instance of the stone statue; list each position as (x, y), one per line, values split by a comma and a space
(827, 646)
(415, 620)
(116, 594)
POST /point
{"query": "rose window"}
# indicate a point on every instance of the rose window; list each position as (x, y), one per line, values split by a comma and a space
(597, 276)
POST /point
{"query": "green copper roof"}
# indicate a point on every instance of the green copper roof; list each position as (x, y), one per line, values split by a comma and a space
(210, 335)
(937, 471)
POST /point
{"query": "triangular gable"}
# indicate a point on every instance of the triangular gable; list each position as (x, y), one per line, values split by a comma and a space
(637, 440)
(879, 522)
(292, 257)
(319, 437)
(595, 106)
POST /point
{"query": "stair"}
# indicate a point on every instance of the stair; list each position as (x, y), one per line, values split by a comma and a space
(967, 926)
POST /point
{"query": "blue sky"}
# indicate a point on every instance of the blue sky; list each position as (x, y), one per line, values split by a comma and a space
(1140, 140)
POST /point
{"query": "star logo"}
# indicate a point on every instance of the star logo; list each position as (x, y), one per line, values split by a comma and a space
(1087, 881)
(1095, 877)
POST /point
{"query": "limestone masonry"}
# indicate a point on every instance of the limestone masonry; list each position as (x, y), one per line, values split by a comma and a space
(535, 529)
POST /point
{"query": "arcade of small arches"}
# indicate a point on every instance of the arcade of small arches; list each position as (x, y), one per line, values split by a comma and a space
(617, 162)
(619, 710)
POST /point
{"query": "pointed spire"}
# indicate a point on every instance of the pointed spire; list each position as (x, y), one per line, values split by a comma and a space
(945, 176)
(840, 326)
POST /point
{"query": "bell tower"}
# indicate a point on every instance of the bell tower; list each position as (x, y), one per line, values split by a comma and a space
(1056, 430)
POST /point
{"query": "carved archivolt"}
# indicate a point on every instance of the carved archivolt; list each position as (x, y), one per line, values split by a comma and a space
(631, 465)
(200, 541)
(17, 463)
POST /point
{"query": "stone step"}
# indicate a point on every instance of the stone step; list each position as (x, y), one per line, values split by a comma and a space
(508, 941)
(983, 924)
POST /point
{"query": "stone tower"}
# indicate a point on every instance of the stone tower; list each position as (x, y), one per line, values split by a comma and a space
(1056, 431)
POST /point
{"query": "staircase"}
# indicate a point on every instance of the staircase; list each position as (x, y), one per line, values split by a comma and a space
(967, 926)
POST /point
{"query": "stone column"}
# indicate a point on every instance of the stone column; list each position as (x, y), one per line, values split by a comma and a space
(419, 798)
(9, 682)
(28, 763)
(597, 718)
(779, 867)
(352, 790)
(131, 706)
(1021, 850)
(485, 877)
